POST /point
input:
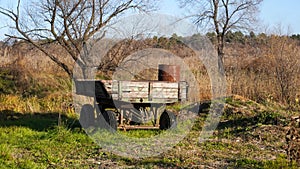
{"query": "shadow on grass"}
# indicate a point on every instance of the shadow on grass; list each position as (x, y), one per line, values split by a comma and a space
(36, 121)
(265, 118)
(239, 125)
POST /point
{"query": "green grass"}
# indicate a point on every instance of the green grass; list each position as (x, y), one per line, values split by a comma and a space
(280, 163)
(23, 147)
(141, 133)
(249, 136)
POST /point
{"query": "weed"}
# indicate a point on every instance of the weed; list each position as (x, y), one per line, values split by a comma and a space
(279, 162)
(247, 163)
(267, 117)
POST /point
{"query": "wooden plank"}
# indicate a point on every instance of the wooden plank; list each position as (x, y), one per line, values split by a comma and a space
(133, 84)
(133, 89)
(165, 85)
(135, 100)
(164, 93)
(135, 94)
(183, 91)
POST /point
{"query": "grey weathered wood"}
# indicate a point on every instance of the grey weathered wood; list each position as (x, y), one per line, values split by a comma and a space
(134, 91)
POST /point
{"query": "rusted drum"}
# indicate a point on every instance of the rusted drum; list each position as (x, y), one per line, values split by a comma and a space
(170, 73)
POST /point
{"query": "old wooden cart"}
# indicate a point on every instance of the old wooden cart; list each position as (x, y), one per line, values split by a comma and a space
(131, 104)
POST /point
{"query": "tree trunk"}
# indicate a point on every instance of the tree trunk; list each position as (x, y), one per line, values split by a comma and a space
(220, 49)
(88, 72)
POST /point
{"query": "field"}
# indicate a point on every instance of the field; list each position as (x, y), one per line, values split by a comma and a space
(39, 128)
(250, 135)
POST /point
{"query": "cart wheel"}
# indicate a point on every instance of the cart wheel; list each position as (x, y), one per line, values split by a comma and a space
(87, 116)
(110, 119)
(167, 120)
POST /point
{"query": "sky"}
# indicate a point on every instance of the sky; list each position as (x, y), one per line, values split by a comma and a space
(273, 14)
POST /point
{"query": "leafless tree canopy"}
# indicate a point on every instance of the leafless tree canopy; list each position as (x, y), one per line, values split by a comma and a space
(222, 16)
(68, 23)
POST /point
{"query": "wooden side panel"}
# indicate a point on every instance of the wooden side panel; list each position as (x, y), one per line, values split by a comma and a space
(108, 85)
(136, 91)
(164, 90)
(85, 88)
(183, 91)
(133, 91)
(111, 87)
(91, 88)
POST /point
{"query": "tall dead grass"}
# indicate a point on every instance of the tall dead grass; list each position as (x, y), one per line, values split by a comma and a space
(55, 102)
(262, 70)
(271, 73)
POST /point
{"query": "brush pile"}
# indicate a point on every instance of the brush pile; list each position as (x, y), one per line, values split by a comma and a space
(293, 140)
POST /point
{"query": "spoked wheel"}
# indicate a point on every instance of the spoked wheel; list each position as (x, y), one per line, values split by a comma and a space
(87, 116)
(167, 120)
(110, 120)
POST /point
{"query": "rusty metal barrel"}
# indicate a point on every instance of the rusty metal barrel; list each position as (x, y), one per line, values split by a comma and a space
(170, 73)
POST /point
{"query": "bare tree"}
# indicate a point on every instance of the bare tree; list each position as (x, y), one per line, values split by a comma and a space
(222, 16)
(283, 56)
(66, 23)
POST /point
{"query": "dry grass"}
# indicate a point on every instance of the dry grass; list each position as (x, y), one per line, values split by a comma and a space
(259, 70)
(56, 102)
